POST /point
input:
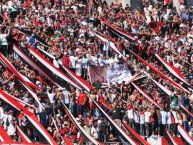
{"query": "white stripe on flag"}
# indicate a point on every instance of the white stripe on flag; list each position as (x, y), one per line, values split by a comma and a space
(185, 109)
(13, 69)
(166, 90)
(40, 130)
(1, 139)
(171, 70)
(24, 137)
(185, 134)
(130, 140)
(171, 137)
(53, 69)
(34, 96)
(145, 95)
(6, 97)
(112, 45)
(80, 127)
(176, 85)
(74, 77)
(18, 51)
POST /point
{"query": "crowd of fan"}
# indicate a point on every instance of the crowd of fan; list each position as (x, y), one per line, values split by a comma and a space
(65, 26)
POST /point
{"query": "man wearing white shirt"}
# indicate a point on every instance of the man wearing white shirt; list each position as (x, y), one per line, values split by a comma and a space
(3, 43)
(142, 122)
(99, 10)
(112, 96)
(174, 126)
(84, 67)
(26, 98)
(163, 121)
(10, 4)
(110, 61)
(130, 115)
(169, 120)
(94, 131)
(147, 122)
(56, 64)
(4, 117)
(51, 96)
(78, 67)
(11, 130)
(136, 119)
(66, 97)
(1, 113)
(73, 62)
(106, 48)
(93, 59)
(1, 109)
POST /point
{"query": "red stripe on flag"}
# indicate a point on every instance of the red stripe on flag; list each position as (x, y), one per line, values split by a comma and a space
(145, 95)
(24, 138)
(6, 97)
(164, 141)
(174, 140)
(67, 140)
(119, 129)
(185, 109)
(82, 82)
(158, 72)
(144, 142)
(29, 61)
(101, 100)
(12, 68)
(5, 136)
(58, 70)
(185, 135)
(175, 71)
(120, 31)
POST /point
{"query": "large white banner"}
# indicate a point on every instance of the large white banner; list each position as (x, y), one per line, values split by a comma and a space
(113, 74)
(117, 73)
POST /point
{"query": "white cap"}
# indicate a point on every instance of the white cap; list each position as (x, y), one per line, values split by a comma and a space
(182, 25)
(99, 122)
(84, 23)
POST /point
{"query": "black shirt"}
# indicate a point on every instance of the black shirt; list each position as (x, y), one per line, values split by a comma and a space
(117, 113)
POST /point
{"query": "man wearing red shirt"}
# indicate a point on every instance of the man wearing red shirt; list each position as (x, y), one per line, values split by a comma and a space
(66, 60)
(81, 102)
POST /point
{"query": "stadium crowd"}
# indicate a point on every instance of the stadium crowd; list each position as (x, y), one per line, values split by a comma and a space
(66, 25)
